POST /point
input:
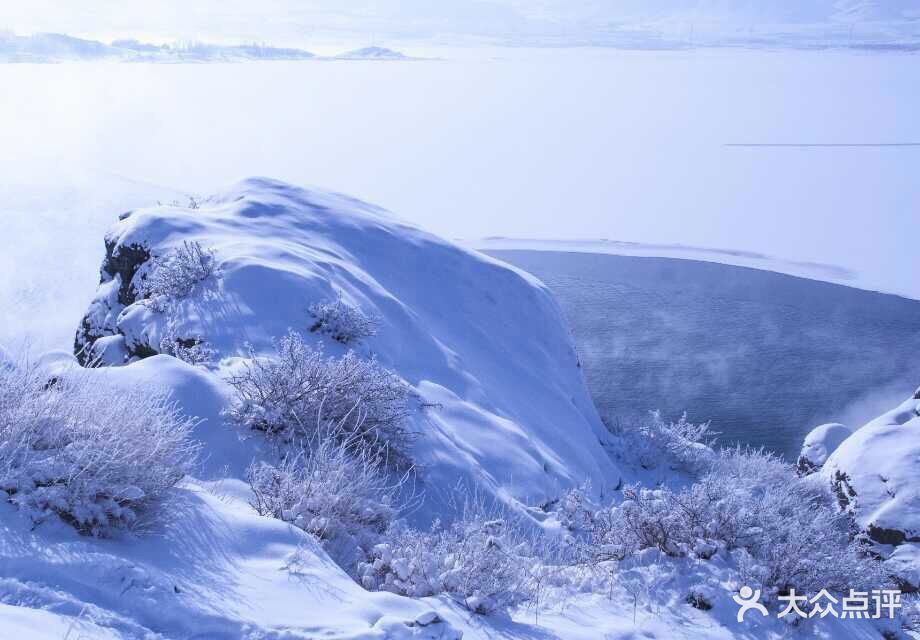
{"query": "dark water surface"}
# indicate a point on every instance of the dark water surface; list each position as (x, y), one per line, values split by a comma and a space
(765, 356)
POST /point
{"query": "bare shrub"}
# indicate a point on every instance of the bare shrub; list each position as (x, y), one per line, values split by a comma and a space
(484, 561)
(301, 394)
(96, 455)
(330, 490)
(342, 321)
(194, 351)
(682, 444)
(175, 275)
(785, 532)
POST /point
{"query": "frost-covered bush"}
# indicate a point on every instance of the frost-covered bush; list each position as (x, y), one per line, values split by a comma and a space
(574, 511)
(784, 531)
(483, 561)
(301, 394)
(337, 493)
(95, 455)
(191, 350)
(175, 275)
(342, 321)
(645, 519)
(682, 444)
(168, 280)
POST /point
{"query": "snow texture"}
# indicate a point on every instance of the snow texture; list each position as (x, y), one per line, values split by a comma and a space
(483, 345)
(875, 475)
(820, 443)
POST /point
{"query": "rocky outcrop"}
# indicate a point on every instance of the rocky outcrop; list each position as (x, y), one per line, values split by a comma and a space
(819, 444)
(96, 339)
(482, 341)
(875, 476)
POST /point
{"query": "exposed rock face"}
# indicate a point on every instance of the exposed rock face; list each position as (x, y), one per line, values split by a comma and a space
(819, 444)
(875, 474)
(97, 336)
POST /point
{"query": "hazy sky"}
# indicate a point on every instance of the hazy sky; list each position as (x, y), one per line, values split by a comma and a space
(297, 21)
(539, 143)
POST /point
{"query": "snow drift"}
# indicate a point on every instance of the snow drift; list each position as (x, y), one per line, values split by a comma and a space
(875, 476)
(819, 444)
(504, 408)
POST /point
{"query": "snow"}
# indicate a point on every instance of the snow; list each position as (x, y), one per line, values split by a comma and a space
(218, 572)
(483, 343)
(820, 443)
(876, 476)
(450, 145)
(221, 572)
(738, 258)
(228, 564)
(197, 393)
(649, 601)
(620, 106)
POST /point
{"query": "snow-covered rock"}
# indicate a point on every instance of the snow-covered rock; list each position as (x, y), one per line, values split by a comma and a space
(820, 443)
(484, 345)
(875, 474)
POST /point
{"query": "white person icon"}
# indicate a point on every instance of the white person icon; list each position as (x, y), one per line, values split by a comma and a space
(748, 599)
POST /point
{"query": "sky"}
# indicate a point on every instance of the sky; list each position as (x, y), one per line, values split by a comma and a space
(297, 22)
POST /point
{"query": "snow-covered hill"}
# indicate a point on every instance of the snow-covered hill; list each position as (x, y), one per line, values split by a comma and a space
(502, 409)
(875, 474)
(483, 344)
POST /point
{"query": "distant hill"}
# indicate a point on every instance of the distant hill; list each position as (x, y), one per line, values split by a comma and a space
(372, 53)
(54, 47)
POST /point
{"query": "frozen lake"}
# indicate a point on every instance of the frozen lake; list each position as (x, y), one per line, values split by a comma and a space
(765, 356)
(557, 144)
(554, 143)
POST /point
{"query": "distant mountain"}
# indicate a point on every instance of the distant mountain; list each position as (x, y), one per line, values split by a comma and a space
(54, 47)
(372, 53)
(203, 52)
